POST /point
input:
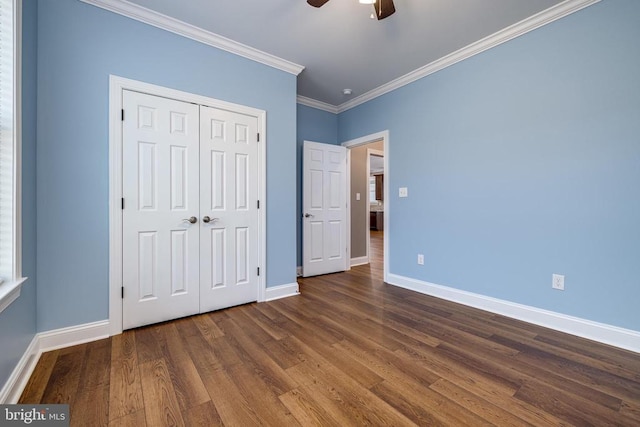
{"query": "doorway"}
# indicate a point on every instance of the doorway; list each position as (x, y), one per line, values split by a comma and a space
(364, 203)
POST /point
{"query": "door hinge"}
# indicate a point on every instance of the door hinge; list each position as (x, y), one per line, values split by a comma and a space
(122, 203)
(258, 137)
(258, 271)
(258, 204)
(122, 292)
(122, 115)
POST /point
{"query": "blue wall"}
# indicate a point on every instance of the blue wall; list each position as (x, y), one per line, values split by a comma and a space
(18, 321)
(521, 162)
(79, 46)
(317, 126)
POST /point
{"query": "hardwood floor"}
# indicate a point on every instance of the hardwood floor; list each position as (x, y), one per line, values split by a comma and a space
(349, 350)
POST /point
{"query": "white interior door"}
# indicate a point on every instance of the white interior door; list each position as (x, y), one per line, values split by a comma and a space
(324, 204)
(228, 205)
(160, 190)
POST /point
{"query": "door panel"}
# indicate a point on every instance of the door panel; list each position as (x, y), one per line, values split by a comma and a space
(229, 196)
(160, 188)
(324, 209)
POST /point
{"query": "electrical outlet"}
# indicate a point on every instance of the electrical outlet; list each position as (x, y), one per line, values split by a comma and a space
(403, 192)
(357, 196)
(557, 282)
(420, 259)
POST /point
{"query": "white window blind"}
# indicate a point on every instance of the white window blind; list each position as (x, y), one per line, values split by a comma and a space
(7, 143)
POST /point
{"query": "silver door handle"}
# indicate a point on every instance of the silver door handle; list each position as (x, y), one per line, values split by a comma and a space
(307, 215)
(192, 220)
(207, 220)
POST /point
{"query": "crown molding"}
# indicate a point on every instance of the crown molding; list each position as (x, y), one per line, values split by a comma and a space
(516, 30)
(314, 103)
(148, 16)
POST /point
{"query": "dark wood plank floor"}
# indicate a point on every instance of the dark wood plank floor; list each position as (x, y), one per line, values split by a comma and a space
(349, 351)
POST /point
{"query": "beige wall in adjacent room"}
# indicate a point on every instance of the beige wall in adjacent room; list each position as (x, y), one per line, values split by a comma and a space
(359, 208)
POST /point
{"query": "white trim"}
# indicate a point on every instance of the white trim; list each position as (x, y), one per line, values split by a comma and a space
(516, 30)
(348, 219)
(359, 261)
(17, 381)
(17, 152)
(282, 291)
(115, 211)
(314, 103)
(116, 86)
(73, 335)
(607, 334)
(9, 292)
(47, 341)
(384, 136)
(192, 32)
(366, 139)
(10, 286)
(371, 152)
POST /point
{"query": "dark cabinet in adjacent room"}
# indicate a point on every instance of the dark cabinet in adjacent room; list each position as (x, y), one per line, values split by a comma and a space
(379, 187)
(376, 220)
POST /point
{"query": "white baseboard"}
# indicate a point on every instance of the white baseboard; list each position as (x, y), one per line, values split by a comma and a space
(612, 335)
(282, 291)
(17, 381)
(47, 341)
(359, 261)
(74, 335)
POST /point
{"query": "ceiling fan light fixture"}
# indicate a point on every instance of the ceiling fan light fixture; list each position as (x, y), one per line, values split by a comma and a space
(367, 1)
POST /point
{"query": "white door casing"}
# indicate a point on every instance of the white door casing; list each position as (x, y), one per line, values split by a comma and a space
(229, 198)
(324, 208)
(160, 186)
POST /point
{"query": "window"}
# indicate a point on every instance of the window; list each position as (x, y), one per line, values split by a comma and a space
(372, 190)
(10, 274)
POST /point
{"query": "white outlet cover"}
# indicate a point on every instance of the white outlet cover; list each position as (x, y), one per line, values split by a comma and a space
(357, 196)
(420, 259)
(557, 282)
(403, 192)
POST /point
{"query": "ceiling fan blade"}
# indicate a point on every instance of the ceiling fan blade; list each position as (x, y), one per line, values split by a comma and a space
(384, 8)
(317, 3)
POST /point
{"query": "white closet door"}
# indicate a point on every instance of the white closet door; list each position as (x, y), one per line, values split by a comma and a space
(160, 189)
(228, 197)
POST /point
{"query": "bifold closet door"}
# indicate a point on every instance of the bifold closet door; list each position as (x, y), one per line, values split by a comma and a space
(191, 217)
(160, 180)
(229, 206)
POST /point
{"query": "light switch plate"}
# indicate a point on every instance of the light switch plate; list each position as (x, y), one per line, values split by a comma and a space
(403, 192)
(357, 196)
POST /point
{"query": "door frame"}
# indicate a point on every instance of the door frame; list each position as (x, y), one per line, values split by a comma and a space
(372, 152)
(116, 86)
(384, 136)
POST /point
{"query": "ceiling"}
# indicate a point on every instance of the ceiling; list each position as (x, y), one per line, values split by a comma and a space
(340, 46)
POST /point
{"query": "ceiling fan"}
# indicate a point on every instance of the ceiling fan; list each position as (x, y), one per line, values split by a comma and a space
(384, 8)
